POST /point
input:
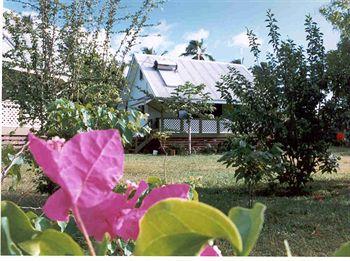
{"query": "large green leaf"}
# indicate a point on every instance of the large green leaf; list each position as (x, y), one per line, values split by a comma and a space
(19, 234)
(181, 227)
(249, 223)
(52, 242)
(19, 224)
(8, 247)
(344, 250)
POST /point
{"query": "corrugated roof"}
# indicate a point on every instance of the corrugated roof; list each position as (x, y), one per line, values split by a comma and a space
(194, 71)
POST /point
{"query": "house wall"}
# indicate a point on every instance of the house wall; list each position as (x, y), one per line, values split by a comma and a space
(137, 86)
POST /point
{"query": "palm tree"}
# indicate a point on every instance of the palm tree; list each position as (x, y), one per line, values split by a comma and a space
(146, 50)
(197, 50)
(237, 61)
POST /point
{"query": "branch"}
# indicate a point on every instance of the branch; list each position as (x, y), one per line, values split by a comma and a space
(83, 229)
(7, 169)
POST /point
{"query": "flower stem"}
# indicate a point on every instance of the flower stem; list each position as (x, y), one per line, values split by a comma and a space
(83, 230)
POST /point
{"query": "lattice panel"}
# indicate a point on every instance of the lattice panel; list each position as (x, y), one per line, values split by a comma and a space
(10, 112)
(172, 124)
(194, 126)
(224, 126)
(209, 126)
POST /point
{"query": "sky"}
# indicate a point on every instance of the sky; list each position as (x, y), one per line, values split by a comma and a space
(223, 23)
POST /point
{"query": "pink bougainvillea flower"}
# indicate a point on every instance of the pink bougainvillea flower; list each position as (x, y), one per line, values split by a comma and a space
(119, 215)
(86, 168)
(56, 143)
(127, 225)
(210, 251)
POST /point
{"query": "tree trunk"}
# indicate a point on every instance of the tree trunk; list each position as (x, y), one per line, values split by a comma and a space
(189, 137)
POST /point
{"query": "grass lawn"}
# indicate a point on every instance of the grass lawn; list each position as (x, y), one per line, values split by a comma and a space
(314, 225)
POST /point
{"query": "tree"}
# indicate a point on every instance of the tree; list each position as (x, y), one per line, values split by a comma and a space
(65, 50)
(338, 61)
(286, 103)
(151, 51)
(337, 12)
(197, 50)
(194, 101)
(237, 61)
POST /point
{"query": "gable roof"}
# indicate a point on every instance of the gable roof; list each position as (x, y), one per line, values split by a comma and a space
(194, 71)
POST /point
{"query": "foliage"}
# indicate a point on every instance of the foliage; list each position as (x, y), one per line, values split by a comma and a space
(8, 156)
(183, 233)
(193, 101)
(197, 50)
(64, 50)
(19, 237)
(286, 103)
(253, 163)
(151, 51)
(338, 61)
(67, 118)
(249, 223)
(337, 12)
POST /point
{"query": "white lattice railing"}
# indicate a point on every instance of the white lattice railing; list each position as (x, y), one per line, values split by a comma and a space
(10, 114)
(197, 126)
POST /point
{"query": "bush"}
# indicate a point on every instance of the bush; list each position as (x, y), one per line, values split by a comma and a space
(285, 104)
(253, 163)
(67, 118)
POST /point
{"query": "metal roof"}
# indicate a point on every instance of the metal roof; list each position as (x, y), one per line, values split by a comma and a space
(194, 71)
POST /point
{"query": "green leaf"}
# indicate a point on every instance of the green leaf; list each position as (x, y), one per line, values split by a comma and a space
(52, 242)
(102, 247)
(8, 247)
(153, 180)
(249, 223)
(181, 227)
(32, 216)
(42, 223)
(19, 224)
(344, 250)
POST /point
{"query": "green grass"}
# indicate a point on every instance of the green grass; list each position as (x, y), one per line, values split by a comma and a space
(314, 225)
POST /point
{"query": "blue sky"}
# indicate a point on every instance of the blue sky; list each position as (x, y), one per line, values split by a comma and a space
(223, 23)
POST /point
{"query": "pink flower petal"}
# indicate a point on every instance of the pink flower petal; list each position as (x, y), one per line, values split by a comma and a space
(102, 218)
(141, 188)
(211, 251)
(57, 206)
(169, 191)
(46, 157)
(91, 165)
(127, 226)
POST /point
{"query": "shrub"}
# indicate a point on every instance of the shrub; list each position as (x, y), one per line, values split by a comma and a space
(253, 163)
(285, 103)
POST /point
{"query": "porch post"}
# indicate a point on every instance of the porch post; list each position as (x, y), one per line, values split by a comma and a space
(218, 126)
(161, 125)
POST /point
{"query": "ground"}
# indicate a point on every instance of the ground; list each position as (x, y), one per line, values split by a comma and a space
(314, 225)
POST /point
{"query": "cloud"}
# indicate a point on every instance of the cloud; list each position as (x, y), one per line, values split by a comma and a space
(241, 40)
(156, 38)
(178, 50)
(198, 35)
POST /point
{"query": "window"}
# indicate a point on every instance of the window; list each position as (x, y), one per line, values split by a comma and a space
(171, 78)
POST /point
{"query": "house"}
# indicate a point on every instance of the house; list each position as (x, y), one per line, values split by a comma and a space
(151, 77)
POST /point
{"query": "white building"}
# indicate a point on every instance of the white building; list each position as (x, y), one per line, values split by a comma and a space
(152, 76)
